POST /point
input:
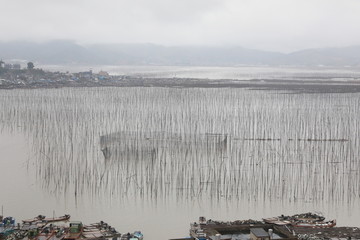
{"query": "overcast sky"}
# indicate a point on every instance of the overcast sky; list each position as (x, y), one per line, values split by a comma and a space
(280, 25)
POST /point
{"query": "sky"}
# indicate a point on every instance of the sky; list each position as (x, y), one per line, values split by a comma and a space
(275, 25)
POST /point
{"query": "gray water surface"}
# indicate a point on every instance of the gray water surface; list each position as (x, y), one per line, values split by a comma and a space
(225, 154)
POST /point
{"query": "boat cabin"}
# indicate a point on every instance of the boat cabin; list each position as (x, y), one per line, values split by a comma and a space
(75, 231)
(75, 227)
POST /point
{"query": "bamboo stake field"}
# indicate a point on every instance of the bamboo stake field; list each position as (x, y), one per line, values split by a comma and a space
(153, 142)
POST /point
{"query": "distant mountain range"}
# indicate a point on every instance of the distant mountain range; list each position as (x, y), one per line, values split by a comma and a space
(67, 52)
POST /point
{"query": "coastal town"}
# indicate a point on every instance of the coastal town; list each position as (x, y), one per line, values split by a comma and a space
(13, 76)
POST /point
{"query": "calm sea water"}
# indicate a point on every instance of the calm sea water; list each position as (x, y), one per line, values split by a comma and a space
(236, 72)
(155, 159)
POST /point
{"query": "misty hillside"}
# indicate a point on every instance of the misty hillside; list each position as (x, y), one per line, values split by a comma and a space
(67, 52)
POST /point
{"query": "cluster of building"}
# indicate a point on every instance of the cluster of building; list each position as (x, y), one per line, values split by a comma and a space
(12, 76)
(15, 66)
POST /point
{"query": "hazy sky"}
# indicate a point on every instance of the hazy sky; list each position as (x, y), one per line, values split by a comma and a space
(282, 25)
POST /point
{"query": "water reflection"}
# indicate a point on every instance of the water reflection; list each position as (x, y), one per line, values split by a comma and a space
(219, 143)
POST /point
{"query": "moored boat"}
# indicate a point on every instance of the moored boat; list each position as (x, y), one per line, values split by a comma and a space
(42, 218)
(327, 224)
(312, 220)
(75, 231)
(7, 226)
(57, 219)
(137, 235)
(276, 221)
(38, 218)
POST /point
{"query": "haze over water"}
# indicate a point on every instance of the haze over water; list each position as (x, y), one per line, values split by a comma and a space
(155, 159)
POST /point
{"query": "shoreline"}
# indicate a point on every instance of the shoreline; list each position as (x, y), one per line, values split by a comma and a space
(293, 86)
(38, 78)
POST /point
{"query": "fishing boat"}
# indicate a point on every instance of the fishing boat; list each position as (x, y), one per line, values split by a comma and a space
(75, 231)
(301, 220)
(276, 221)
(137, 235)
(38, 218)
(59, 233)
(7, 226)
(46, 233)
(308, 217)
(327, 224)
(100, 230)
(57, 219)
